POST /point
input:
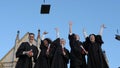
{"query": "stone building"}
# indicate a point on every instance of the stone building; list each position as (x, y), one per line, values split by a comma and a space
(9, 60)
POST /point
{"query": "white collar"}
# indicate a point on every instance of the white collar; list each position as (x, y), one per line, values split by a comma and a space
(30, 44)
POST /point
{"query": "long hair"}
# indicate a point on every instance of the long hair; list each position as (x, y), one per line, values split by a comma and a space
(49, 40)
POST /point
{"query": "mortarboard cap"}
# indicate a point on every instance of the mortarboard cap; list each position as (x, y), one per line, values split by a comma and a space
(45, 8)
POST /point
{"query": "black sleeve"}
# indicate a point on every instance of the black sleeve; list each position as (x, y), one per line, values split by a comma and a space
(86, 43)
(71, 37)
(53, 47)
(42, 44)
(35, 53)
(71, 40)
(67, 56)
(77, 49)
(20, 50)
(56, 42)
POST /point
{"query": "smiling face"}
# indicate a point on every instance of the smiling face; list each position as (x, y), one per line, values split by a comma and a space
(45, 43)
(31, 38)
(77, 37)
(92, 38)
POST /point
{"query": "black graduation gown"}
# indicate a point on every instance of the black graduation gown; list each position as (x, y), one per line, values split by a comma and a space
(43, 60)
(24, 61)
(77, 59)
(95, 55)
(59, 60)
(52, 51)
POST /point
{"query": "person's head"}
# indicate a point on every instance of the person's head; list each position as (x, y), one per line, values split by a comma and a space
(31, 37)
(62, 41)
(92, 37)
(47, 41)
(76, 36)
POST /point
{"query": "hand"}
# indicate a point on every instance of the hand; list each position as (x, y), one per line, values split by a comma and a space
(56, 29)
(84, 30)
(30, 53)
(64, 53)
(47, 52)
(70, 23)
(83, 52)
(45, 32)
(86, 52)
(103, 26)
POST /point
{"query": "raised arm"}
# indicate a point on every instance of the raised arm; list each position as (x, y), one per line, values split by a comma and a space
(70, 28)
(101, 29)
(38, 43)
(85, 33)
(43, 35)
(57, 33)
(38, 39)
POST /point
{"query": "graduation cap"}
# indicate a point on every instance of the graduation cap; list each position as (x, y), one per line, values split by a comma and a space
(45, 8)
(117, 36)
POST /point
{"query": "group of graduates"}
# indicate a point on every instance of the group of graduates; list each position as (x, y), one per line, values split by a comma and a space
(53, 54)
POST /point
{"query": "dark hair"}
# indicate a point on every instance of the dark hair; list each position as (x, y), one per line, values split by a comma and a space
(31, 34)
(49, 40)
(74, 36)
(92, 34)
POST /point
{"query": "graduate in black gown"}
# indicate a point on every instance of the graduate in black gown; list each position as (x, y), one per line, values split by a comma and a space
(43, 60)
(77, 54)
(93, 45)
(61, 54)
(26, 52)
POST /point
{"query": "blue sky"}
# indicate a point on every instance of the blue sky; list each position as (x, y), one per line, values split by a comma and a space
(24, 15)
